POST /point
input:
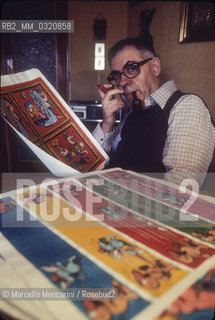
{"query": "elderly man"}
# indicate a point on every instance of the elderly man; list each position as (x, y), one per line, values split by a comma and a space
(162, 130)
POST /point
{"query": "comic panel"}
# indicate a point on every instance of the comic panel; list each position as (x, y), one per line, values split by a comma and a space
(65, 267)
(68, 146)
(171, 196)
(197, 302)
(35, 102)
(157, 236)
(133, 261)
(33, 109)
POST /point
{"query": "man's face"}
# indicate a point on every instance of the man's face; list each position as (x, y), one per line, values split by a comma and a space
(145, 83)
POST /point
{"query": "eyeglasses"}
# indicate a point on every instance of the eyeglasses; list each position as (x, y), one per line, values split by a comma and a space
(130, 70)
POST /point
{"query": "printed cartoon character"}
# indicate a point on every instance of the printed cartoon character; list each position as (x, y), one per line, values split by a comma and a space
(71, 141)
(8, 111)
(67, 189)
(7, 108)
(172, 198)
(35, 197)
(109, 188)
(165, 195)
(47, 103)
(209, 236)
(105, 309)
(57, 144)
(118, 175)
(92, 181)
(36, 113)
(50, 116)
(77, 149)
(188, 252)
(114, 212)
(66, 273)
(23, 95)
(7, 206)
(76, 158)
(81, 153)
(199, 297)
(150, 276)
(63, 151)
(73, 192)
(74, 145)
(114, 247)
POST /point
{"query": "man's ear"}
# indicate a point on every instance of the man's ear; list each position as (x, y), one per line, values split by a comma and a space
(156, 66)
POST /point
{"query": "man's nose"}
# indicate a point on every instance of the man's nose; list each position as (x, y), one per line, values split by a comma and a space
(124, 80)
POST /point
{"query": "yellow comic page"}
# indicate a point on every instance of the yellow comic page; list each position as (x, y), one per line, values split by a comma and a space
(133, 261)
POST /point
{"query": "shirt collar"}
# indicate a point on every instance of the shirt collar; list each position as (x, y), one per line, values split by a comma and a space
(161, 95)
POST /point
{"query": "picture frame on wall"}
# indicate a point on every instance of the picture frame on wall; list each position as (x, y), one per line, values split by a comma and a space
(197, 21)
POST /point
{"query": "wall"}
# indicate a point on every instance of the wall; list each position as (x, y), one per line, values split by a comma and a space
(83, 76)
(191, 65)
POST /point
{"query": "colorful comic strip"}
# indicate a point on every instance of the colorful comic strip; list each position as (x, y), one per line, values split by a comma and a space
(162, 192)
(157, 236)
(148, 207)
(66, 267)
(117, 251)
(97, 231)
(33, 109)
(197, 302)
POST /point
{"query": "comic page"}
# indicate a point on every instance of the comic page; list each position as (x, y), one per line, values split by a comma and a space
(45, 122)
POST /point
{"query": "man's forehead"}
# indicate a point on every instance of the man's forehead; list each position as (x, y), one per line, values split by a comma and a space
(128, 53)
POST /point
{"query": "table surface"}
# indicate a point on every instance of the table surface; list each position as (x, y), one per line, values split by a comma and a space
(112, 230)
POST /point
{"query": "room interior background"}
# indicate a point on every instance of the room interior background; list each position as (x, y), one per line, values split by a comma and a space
(191, 65)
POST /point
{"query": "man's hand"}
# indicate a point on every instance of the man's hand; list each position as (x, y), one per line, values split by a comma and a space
(109, 107)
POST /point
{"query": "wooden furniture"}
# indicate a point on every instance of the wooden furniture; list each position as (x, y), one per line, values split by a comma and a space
(21, 51)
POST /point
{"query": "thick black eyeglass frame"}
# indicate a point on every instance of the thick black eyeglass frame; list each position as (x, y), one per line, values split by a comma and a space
(119, 74)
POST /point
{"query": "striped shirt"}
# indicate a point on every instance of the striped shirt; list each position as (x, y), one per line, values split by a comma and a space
(190, 140)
